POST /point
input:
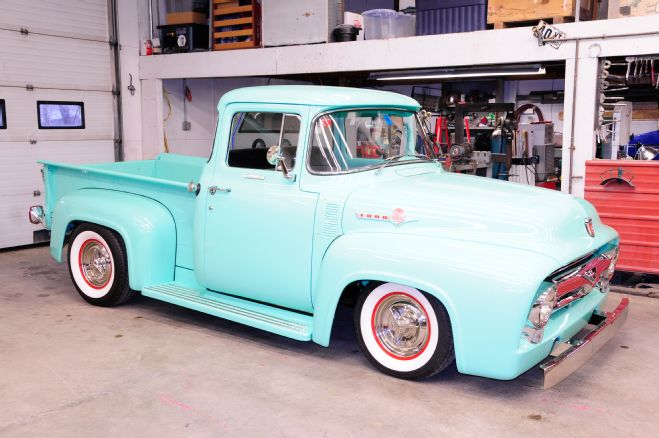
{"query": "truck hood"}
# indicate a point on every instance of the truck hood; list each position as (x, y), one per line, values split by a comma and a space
(435, 203)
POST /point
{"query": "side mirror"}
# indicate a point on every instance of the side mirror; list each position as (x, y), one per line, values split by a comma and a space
(277, 159)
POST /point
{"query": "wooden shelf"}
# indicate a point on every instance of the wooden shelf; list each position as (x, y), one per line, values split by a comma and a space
(236, 26)
(233, 22)
(233, 10)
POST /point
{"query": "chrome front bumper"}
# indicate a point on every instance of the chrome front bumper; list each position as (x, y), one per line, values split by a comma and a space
(567, 357)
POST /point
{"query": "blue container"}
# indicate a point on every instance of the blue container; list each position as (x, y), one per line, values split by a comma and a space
(450, 16)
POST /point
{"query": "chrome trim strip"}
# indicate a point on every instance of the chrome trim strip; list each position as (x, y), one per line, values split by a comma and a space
(574, 353)
(566, 270)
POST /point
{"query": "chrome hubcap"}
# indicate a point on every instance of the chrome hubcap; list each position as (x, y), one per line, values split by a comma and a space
(401, 326)
(95, 264)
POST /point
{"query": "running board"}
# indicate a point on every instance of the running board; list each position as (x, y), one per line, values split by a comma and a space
(272, 319)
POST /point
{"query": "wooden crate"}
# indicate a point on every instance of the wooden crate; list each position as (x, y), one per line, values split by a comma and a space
(505, 13)
(236, 25)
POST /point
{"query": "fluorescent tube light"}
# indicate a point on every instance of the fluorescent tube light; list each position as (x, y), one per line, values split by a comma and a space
(420, 75)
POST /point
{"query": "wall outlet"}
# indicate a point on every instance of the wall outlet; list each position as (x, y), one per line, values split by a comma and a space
(187, 126)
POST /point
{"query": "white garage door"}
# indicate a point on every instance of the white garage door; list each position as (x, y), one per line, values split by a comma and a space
(54, 51)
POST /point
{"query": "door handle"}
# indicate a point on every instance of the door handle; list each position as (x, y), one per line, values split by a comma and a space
(213, 189)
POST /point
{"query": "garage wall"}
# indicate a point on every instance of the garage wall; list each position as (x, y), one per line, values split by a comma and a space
(202, 111)
(62, 55)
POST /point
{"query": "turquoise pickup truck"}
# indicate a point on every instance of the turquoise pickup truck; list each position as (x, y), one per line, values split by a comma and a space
(315, 196)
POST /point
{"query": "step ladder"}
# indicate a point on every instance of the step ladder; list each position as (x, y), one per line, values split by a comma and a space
(272, 319)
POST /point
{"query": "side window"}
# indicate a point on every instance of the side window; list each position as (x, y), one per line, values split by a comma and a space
(253, 133)
(3, 117)
(60, 115)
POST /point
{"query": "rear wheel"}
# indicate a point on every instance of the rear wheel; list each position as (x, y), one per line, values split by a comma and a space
(403, 332)
(98, 265)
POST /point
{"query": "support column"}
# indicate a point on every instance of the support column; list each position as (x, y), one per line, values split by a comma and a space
(581, 77)
(129, 61)
(153, 141)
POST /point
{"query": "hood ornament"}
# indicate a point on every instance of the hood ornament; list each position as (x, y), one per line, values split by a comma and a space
(590, 229)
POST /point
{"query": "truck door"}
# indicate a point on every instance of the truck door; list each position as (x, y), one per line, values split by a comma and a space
(259, 224)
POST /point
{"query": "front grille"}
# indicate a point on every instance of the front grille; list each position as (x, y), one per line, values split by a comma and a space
(570, 267)
(578, 278)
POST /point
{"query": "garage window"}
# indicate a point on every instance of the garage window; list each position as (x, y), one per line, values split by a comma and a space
(61, 115)
(3, 118)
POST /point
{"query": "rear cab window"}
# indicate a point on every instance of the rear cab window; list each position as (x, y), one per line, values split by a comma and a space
(253, 133)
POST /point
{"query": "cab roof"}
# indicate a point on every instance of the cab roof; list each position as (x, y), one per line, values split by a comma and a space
(318, 95)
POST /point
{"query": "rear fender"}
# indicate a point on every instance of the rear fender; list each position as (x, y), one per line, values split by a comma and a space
(146, 227)
(487, 290)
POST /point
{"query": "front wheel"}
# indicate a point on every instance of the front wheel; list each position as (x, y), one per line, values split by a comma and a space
(403, 332)
(98, 265)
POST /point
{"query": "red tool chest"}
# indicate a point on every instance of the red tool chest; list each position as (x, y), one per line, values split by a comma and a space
(626, 195)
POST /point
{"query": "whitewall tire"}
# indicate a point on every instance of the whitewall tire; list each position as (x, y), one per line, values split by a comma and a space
(97, 265)
(402, 331)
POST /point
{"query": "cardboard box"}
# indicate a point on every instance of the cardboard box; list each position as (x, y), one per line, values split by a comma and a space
(186, 18)
(632, 8)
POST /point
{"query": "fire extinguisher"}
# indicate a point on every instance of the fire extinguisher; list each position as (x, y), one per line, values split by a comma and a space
(148, 48)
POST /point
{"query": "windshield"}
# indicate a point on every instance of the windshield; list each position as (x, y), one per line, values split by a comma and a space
(347, 141)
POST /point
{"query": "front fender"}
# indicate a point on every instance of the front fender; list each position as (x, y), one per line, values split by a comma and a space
(486, 289)
(145, 225)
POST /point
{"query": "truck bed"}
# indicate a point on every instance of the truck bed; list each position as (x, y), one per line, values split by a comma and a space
(166, 168)
(166, 179)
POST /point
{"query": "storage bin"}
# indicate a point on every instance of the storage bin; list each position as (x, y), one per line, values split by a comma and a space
(450, 16)
(386, 23)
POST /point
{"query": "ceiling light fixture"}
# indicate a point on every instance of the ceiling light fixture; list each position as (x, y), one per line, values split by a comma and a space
(415, 75)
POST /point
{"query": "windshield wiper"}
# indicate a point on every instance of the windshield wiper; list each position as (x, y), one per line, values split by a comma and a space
(394, 158)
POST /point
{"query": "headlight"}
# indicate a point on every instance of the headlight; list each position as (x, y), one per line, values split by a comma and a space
(543, 307)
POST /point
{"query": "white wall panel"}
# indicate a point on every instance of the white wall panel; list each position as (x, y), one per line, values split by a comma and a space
(70, 18)
(202, 111)
(22, 124)
(45, 61)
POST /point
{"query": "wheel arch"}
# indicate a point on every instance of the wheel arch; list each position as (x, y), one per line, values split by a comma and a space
(146, 227)
(463, 276)
(328, 300)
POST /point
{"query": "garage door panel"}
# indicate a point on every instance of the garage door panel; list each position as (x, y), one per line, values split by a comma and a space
(22, 119)
(79, 152)
(22, 174)
(45, 61)
(65, 56)
(15, 228)
(69, 18)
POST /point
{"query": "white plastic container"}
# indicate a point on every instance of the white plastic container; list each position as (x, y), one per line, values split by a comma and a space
(386, 23)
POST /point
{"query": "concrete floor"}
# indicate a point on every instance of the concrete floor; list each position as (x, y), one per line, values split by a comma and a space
(150, 369)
